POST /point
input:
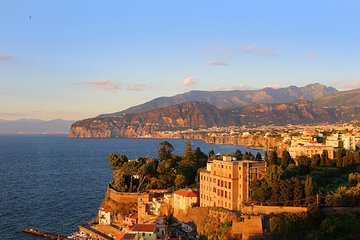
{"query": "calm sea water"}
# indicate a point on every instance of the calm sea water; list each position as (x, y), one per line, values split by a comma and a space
(53, 183)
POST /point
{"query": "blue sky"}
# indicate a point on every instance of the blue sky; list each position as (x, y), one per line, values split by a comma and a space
(77, 59)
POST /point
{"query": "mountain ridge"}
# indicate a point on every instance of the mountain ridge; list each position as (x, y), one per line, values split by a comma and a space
(235, 98)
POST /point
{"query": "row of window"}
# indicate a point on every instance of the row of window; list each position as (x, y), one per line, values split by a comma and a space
(220, 183)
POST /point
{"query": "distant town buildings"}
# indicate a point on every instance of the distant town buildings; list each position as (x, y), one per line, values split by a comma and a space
(226, 183)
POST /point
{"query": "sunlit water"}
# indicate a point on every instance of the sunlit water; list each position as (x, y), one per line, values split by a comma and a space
(53, 183)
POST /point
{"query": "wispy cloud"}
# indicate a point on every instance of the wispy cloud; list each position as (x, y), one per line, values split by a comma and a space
(218, 63)
(253, 49)
(107, 85)
(7, 58)
(190, 82)
(230, 88)
(139, 87)
(311, 54)
(350, 85)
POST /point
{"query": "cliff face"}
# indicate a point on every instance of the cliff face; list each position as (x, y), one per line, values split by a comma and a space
(183, 116)
(300, 112)
(196, 115)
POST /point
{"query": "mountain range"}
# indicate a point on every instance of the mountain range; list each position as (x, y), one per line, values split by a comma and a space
(314, 103)
(236, 98)
(34, 126)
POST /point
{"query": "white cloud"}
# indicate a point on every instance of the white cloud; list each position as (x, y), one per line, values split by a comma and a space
(190, 82)
(7, 58)
(252, 49)
(107, 85)
(138, 87)
(274, 85)
(218, 63)
(230, 88)
(311, 54)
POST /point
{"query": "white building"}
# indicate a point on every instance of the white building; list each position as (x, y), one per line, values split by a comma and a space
(105, 215)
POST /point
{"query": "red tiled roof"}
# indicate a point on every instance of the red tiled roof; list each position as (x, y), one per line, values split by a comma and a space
(187, 193)
(144, 228)
(106, 208)
(133, 216)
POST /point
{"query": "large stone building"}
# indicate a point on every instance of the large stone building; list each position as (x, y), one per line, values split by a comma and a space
(310, 149)
(226, 183)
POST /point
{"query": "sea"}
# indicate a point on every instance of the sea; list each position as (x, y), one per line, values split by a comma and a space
(54, 183)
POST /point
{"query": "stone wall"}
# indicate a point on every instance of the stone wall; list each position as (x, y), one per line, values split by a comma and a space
(248, 227)
(256, 209)
(123, 197)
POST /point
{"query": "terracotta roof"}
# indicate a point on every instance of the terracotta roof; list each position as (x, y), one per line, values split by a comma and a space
(133, 216)
(144, 228)
(106, 208)
(187, 193)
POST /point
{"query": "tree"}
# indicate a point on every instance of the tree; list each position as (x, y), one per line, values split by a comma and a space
(285, 191)
(117, 160)
(165, 150)
(324, 161)
(298, 192)
(309, 190)
(273, 158)
(130, 169)
(200, 157)
(258, 156)
(238, 154)
(211, 154)
(180, 181)
(315, 160)
(340, 154)
(286, 159)
(145, 171)
(188, 153)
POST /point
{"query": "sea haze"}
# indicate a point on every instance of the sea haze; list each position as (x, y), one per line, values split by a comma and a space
(54, 183)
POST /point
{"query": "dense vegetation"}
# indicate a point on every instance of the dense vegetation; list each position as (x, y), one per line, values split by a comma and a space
(316, 180)
(167, 171)
(315, 225)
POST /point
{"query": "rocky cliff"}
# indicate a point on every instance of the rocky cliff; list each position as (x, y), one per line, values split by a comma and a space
(192, 115)
(198, 115)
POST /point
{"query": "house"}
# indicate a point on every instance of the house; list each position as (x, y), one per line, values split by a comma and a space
(131, 220)
(106, 215)
(185, 198)
(144, 231)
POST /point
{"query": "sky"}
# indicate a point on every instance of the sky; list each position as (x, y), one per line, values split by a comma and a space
(74, 59)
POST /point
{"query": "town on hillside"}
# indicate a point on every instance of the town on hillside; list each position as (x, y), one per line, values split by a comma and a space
(309, 180)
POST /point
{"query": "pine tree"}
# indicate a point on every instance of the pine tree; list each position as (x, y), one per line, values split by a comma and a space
(285, 159)
(309, 190)
(297, 192)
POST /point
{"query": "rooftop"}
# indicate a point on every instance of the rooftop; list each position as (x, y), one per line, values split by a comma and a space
(187, 193)
(144, 228)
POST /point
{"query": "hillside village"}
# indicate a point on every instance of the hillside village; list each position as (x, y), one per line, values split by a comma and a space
(233, 196)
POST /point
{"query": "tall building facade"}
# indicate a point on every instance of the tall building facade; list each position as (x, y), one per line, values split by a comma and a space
(226, 183)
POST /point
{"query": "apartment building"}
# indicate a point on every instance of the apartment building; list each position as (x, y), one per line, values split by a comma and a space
(311, 149)
(226, 183)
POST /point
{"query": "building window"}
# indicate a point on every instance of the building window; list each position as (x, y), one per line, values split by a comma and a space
(229, 175)
(225, 194)
(229, 185)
